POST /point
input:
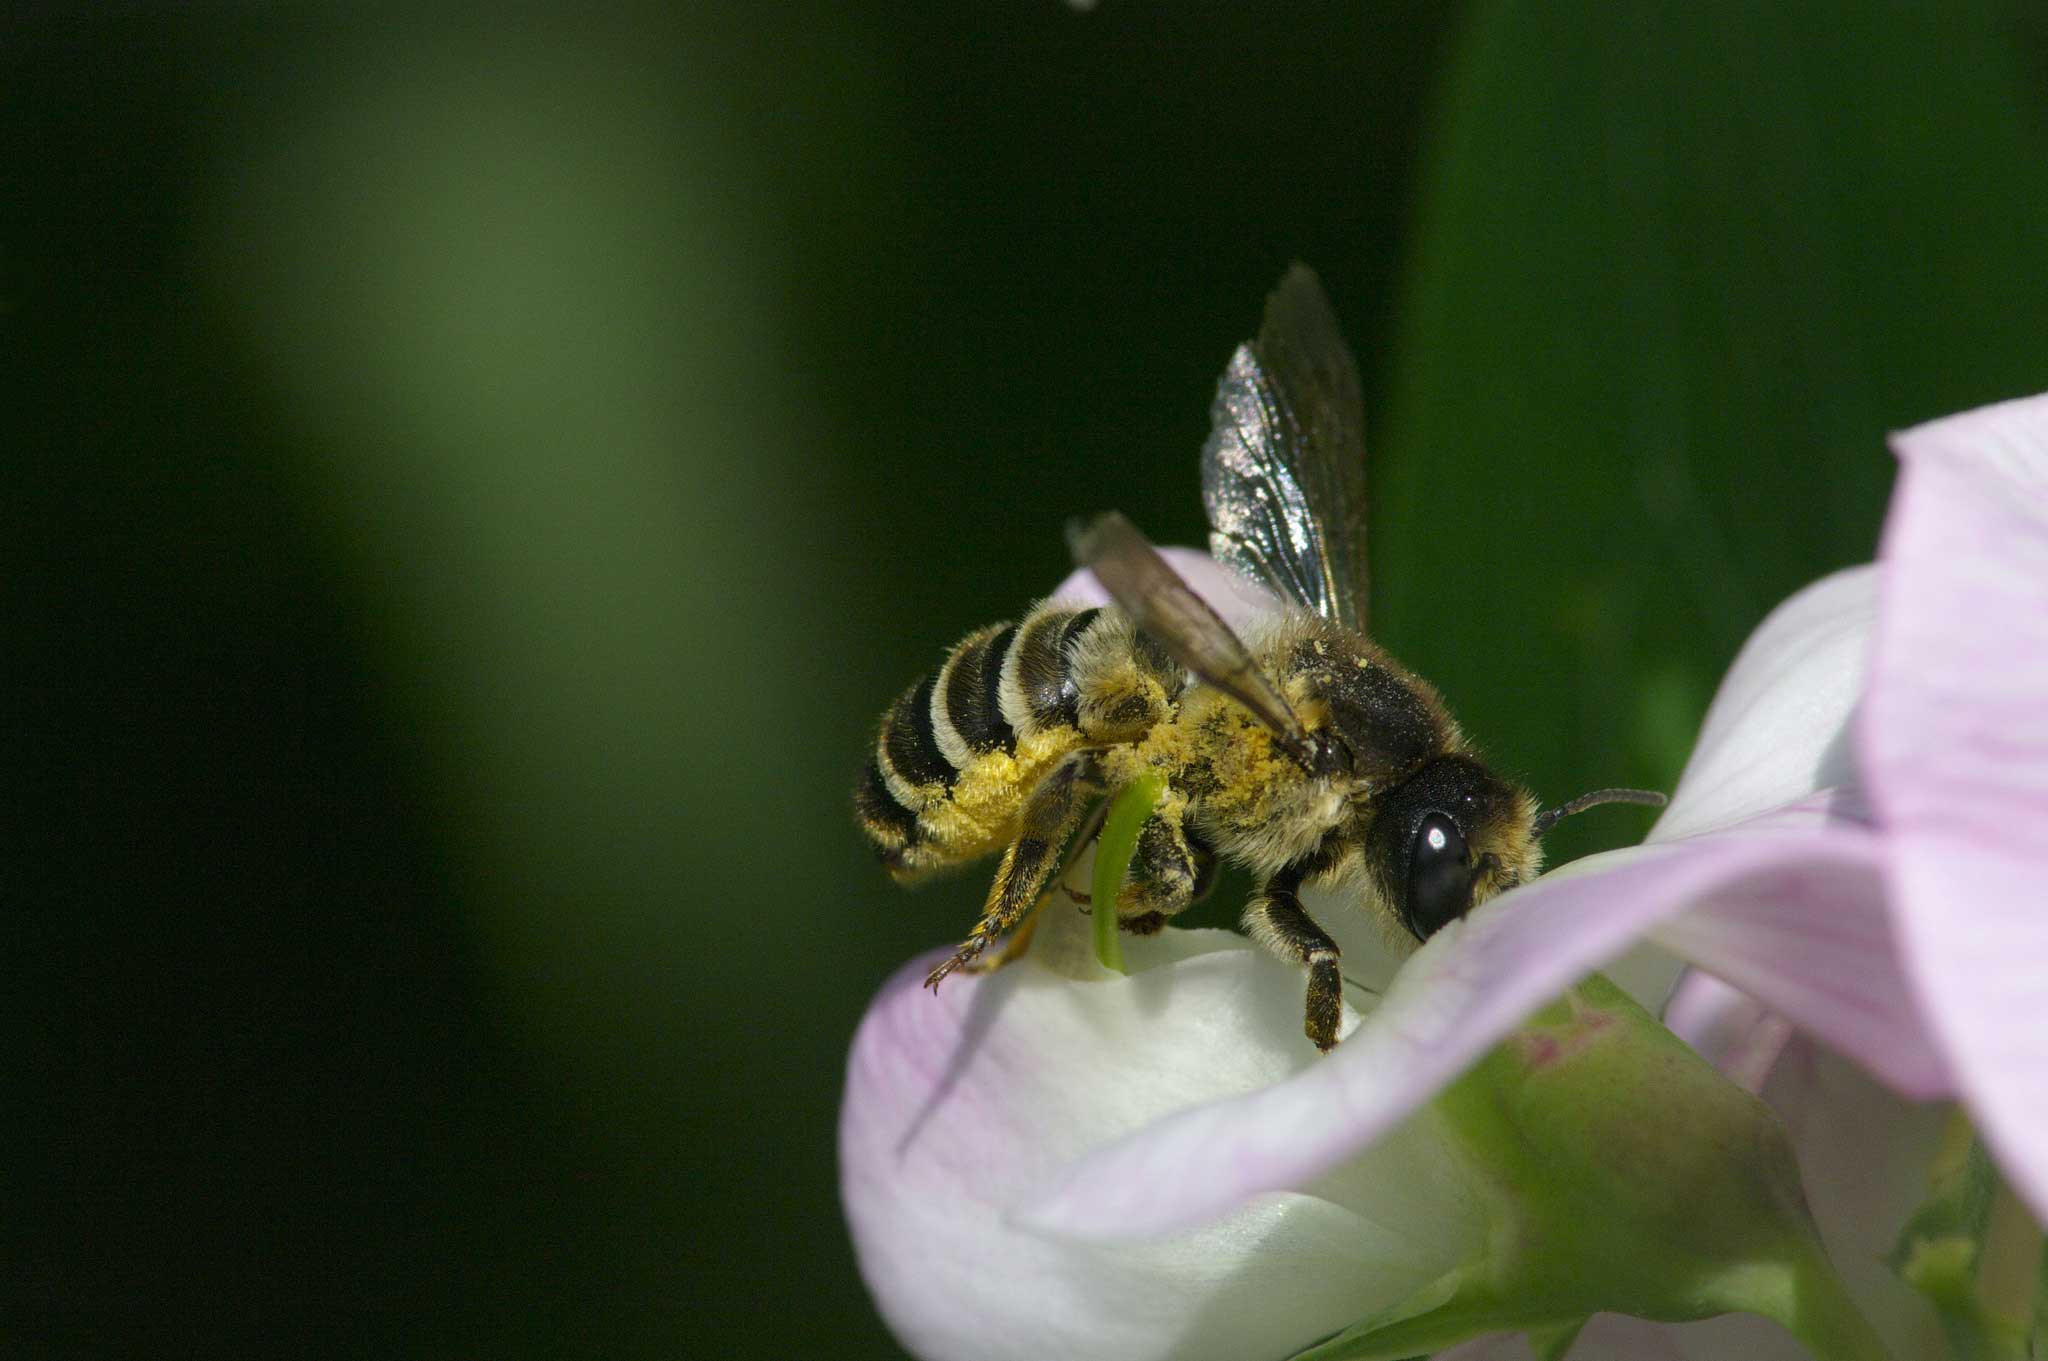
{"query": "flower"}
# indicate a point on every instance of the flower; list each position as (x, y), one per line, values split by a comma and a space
(1129, 1168)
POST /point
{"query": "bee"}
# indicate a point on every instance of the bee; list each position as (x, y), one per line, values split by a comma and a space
(1301, 751)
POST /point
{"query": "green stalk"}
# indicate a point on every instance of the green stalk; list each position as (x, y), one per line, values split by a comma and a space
(1113, 851)
(2037, 1346)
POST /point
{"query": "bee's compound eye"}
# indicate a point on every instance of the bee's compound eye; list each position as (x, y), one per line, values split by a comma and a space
(1439, 876)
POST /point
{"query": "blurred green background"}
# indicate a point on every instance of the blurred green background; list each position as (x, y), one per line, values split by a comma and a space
(473, 480)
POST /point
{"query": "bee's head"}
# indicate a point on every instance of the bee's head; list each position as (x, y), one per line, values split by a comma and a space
(1454, 834)
(1448, 838)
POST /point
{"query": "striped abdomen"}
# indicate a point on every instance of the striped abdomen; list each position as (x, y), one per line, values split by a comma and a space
(961, 750)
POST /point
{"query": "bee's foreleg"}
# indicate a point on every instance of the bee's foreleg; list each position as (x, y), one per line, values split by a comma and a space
(1276, 919)
(1049, 818)
(1170, 870)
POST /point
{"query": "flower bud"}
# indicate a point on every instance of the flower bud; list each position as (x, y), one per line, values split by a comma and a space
(1621, 1173)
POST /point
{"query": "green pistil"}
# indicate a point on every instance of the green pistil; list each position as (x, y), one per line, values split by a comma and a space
(1113, 853)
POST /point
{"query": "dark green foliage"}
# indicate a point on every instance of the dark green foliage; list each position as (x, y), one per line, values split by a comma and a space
(473, 480)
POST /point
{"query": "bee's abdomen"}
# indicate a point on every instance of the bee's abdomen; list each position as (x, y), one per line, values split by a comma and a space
(970, 720)
(936, 729)
(889, 825)
(960, 750)
(1037, 687)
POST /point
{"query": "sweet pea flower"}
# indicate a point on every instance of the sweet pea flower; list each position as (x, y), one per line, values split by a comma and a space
(1053, 1160)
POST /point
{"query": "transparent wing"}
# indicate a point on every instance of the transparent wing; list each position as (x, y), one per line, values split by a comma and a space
(1161, 603)
(1283, 473)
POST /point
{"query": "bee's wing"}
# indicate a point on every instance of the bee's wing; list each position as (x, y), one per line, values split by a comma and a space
(1161, 603)
(1283, 473)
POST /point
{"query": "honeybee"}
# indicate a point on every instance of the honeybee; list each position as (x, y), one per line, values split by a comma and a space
(1301, 751)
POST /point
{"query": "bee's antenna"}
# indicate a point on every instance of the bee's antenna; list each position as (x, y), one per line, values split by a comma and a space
(1550, 817)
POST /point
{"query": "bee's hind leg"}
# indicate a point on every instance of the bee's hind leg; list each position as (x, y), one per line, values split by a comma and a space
(1015, 946)
(1049, 818)
(1090, 829)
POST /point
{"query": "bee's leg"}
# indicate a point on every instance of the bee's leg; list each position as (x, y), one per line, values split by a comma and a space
(1276, 919)
(1167, 873)
(1015, 947)
(1049, 818)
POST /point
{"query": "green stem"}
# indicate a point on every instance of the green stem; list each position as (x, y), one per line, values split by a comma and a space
(1113, 851)
(2037, 1344)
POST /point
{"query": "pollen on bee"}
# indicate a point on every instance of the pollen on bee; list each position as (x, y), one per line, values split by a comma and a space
(982, 811)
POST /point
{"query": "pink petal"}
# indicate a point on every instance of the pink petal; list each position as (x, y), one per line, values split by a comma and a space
(1955, 742)
(1241, 602)
(1811, 940)
(1473, 982)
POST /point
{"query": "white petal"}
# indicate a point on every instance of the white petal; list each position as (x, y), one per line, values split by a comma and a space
(964, 1104)
(1777, 729)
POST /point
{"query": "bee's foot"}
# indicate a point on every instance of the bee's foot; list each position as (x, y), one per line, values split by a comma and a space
(961, 958)
(1325, 1000)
